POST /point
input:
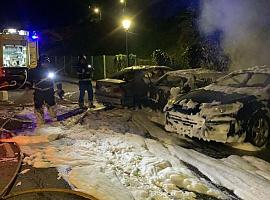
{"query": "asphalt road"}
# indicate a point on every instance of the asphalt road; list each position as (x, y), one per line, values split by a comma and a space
(25, 97)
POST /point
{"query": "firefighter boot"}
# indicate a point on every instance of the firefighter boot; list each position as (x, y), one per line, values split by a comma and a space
(39, 116)
(91, 105)
(52, 112)
(82, 106)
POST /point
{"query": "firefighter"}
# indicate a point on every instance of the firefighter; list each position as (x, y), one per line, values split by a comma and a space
(42, 79)
(85, 73)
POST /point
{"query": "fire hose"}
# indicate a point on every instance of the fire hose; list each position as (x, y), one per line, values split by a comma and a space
(4, 193)
(14, 83)
(10, 183)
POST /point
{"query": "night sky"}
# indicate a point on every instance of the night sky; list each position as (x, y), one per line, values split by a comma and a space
(33, 14)
(71, 21)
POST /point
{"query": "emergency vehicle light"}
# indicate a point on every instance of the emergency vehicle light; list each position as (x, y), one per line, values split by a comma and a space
(15, 31)
(22, 32)
(12, 30)
(34, 36)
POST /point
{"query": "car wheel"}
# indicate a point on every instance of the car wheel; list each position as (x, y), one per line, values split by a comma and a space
(259, 130)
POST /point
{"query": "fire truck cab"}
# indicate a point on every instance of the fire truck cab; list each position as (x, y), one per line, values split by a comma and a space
(18, 53)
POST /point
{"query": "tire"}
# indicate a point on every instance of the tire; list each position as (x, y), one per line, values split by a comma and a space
(259, 130)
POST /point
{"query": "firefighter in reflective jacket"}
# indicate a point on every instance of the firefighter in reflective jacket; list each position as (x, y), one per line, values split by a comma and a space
(42, 79)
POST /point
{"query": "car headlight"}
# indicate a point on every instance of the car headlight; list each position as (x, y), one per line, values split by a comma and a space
(169, 104)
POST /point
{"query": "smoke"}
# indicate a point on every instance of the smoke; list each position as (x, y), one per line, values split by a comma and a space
(245, 28)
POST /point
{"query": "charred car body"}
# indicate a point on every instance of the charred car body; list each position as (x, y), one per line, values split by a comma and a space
(234, 109)
(127, 84)
(183, 81)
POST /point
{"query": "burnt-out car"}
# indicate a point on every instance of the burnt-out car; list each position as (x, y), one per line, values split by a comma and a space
(233, 109)
(183, 81)
(125, 85)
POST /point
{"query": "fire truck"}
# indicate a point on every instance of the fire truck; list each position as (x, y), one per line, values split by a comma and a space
(18, 53)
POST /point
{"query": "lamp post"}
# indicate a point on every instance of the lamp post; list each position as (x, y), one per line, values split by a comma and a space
(124, 2)
(126, 25)
(97, 11)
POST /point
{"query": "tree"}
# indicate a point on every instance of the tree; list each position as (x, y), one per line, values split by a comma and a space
(186, 43)
(212, 56)
(161, 58)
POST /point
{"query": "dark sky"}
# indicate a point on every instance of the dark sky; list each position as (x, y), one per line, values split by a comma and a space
(37, 14)
(67, 24)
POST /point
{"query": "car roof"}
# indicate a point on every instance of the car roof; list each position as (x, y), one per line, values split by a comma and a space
(257, 69)
(140, 68)
(145, 67)
(195, 72)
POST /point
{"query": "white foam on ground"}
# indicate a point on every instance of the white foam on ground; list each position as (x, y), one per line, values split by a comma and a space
(246, 176)
(245, 146)
(108, 159)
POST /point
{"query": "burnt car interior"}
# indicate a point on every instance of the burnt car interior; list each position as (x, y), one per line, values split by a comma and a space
(172, 81)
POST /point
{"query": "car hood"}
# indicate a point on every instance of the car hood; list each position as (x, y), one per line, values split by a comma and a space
(207, 96)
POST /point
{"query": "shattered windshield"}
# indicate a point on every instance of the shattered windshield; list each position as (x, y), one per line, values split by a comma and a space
(245, 80)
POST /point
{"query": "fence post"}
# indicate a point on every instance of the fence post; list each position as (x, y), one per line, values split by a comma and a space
(104, 65)
(92, 61)
(64, 63)
(55, 61)
(71, 61)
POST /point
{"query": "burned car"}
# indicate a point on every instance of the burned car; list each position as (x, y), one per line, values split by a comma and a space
(233, 109)
(128, 84)
(183, 81)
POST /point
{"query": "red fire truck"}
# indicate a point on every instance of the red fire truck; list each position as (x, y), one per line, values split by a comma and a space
(18, 53)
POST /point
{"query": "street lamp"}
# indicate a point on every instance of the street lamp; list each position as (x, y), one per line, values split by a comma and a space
(98, 12)
(126, 23)
(124, 2)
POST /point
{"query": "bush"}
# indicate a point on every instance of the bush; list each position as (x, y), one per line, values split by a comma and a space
(161, 58)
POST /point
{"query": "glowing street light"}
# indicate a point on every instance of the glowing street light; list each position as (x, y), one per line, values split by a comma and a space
(124, 2)
(98, 12)
(126, 23)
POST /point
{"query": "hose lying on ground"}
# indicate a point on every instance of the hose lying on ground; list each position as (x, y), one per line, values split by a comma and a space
(55, 190)
(14, 176)
(8, 187)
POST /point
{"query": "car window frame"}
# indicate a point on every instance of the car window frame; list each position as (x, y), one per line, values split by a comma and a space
(263, 85)
(232, 75)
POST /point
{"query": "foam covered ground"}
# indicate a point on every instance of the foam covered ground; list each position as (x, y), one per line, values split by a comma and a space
(109, 158)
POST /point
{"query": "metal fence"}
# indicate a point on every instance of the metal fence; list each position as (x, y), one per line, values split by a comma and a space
(104, 65)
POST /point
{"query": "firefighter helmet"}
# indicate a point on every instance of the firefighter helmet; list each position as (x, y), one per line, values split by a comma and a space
(44, 59)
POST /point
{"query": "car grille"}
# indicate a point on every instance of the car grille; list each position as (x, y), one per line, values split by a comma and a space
(186, 120)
